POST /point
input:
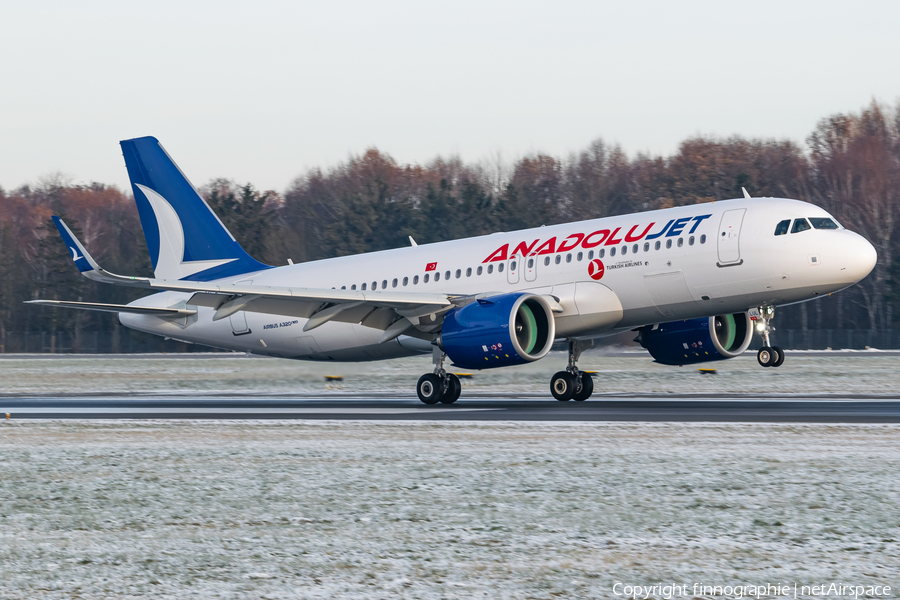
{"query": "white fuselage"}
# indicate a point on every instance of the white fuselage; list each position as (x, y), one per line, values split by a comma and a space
(714, 258)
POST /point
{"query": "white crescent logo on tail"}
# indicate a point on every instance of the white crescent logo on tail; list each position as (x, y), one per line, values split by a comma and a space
(75, 256)
(170, 263)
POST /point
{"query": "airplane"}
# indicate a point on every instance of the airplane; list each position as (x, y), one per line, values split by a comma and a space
(693, 281)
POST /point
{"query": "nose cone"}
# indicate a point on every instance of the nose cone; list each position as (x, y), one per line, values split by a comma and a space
(859, 257)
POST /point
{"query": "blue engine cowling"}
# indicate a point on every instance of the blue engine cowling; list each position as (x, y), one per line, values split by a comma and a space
(697, 340)
(504, 330)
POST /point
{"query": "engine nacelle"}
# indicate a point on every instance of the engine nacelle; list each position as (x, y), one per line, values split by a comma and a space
(697, 340)
(510, 329)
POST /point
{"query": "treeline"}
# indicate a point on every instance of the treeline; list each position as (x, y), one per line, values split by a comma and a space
(849, 165)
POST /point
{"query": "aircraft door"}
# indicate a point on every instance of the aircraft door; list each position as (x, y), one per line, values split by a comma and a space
(513, 267)
(729, 237)
(530, 268)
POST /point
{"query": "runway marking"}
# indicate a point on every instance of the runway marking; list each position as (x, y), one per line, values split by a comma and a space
(32, 410)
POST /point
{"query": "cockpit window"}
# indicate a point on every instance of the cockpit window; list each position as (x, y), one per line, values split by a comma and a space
(800, 225)
(822, 223)
(782, 227)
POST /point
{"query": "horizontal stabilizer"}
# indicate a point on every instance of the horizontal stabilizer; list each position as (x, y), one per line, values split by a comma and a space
(117, 308)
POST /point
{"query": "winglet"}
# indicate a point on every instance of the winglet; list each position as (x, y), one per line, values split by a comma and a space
(88, 266)
(746, 193)
(80, 256)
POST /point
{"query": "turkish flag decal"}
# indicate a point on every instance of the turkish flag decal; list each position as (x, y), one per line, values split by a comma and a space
(431, 266)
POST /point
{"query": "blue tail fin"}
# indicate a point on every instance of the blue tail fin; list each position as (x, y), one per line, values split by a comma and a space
(185, 237)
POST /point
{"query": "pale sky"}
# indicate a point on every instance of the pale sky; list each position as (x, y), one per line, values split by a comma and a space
(261, 91)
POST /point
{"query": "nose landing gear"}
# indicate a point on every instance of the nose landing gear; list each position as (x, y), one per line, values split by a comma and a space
(439, 386)
(573, 383)
(768, 355)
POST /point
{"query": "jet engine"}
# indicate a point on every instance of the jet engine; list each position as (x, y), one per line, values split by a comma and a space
(697, 340)
(504, 330)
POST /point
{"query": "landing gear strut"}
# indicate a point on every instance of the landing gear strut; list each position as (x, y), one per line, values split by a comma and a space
(573, 383)
(768, 355)
(439, 386)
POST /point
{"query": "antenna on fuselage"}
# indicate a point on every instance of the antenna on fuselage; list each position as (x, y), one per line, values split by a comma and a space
(412, 241)
(746, 193)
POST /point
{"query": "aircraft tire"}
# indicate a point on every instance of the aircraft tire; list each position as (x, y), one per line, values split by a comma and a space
(766, 356)
(453, 390)
(780, 360)
(430, 388)
(587, 388)
(562, 386)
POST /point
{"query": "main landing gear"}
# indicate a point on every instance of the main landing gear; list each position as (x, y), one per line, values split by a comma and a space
(439, 386)
(768, 355)
(573, 384)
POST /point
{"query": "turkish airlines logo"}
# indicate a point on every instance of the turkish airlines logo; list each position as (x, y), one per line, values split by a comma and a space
(431, 266)
(595, 269)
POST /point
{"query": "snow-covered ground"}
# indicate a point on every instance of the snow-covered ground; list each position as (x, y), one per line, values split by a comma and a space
(865, 373)
(440, 510)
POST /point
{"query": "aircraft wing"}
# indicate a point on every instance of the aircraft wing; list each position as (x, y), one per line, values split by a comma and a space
(394, 312)
(117, 308)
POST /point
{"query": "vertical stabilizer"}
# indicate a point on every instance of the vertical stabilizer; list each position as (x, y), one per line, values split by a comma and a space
(185, 238)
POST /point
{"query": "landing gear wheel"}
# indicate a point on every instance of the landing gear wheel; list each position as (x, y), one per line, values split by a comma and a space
(587, 388)
(430, 388)
(562, 386)
(780, 360)
(766, 356)
(454, 388)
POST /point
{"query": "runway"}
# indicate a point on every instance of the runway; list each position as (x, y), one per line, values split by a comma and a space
(721, 409)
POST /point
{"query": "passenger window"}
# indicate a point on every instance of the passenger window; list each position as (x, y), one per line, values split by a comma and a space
(447, 275)
(646, 246)
(437, 276)
(782, 227)
(624, 250)
(490, 269)
(394, 283)
(405, 281)
(656, 246)
(478, 272)
(800, 225)
(469, 272)
(568, 258)
(384, 284)
(425, 279)
(343, 287)
(691, 241)
(680, 242)
(546, 261)
(702, 239)
(363, 287)
(591, 255)
(579, 256)
(668, 243)
(558, 259)
(353, 287)
(822, 223)
(512, 265)
(530, 263)
(415, 280)
(634, 249)
(612, 251)
(500, 268)
(374, 285)
(602, 252)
